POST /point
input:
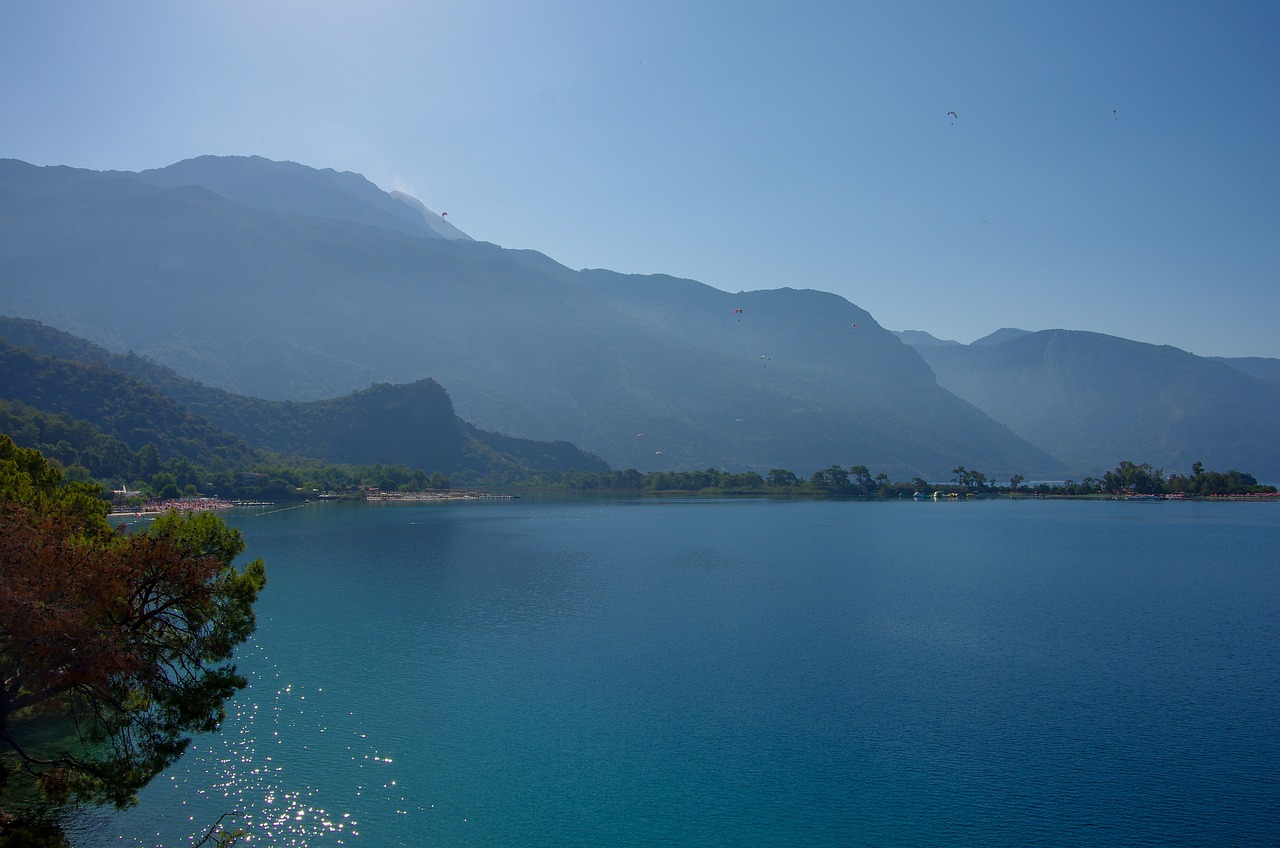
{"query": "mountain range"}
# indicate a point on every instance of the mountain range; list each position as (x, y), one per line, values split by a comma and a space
(288, 283)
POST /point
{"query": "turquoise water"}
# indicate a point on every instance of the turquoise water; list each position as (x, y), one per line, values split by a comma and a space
(728, 673)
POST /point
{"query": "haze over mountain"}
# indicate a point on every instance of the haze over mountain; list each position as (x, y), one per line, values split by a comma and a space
(438, 223)
(1262, 367)
(1089, 398)
(289, 187)
(651, 372)
(1004, 334)
(919, 338)
(286, 282)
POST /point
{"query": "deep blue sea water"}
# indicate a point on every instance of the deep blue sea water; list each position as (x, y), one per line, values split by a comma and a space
(727, 673)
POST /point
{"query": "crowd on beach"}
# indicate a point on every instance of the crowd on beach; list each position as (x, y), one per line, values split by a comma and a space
(198, 504)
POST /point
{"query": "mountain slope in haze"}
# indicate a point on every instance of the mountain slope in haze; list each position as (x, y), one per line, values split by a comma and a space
(413, 425)
(803, 365)
(1262, 367)
(651, 372)
(1093, 400)
(289, 187)
(438, 223)
(919, 338)
(1004, 334)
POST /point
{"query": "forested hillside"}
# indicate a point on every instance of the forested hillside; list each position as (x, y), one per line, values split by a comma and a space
(104, 415)
(116, 405)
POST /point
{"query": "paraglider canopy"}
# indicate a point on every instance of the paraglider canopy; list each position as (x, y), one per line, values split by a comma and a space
(737, 312)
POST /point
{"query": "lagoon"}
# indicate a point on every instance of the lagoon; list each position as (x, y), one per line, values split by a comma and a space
(708, 672)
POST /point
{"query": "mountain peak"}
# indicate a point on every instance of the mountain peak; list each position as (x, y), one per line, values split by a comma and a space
(919, 338)
(290, 187)
(1004, 334)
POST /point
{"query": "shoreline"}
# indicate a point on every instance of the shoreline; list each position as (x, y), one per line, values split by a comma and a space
(153, 509)
(193, 505)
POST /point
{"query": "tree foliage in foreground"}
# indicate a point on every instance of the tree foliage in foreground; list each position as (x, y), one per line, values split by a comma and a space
(114, 648)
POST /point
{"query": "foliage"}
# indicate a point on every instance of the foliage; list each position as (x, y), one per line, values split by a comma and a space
(118, 644)
(857, 482)
(86, 454)
(115, 404)
(29, 833)
(973, 481)
(1134, 479)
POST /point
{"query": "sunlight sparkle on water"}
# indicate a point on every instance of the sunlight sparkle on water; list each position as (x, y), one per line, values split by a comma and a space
(258, 788)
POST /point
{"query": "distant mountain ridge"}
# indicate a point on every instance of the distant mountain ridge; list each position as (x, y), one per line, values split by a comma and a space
(289, 187)
(1090, 398)
(649, 372)
(261, 287)
(1264, 368)
(1004, 334)
(919, 338)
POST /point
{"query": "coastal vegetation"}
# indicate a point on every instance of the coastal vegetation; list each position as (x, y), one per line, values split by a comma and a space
(857, 482)
(86, 455)
(115, 648)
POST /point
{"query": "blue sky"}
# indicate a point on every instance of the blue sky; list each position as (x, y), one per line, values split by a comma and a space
(1112, 166)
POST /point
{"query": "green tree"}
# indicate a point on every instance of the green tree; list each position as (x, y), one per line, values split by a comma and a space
(148, 460)
(165, 485)
(861, 475)
(781, 478)
(1138, 479)
(971, 480)
(119, 644)
(834, 478)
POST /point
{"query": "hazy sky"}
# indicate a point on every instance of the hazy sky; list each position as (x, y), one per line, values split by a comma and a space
(1113, 166)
